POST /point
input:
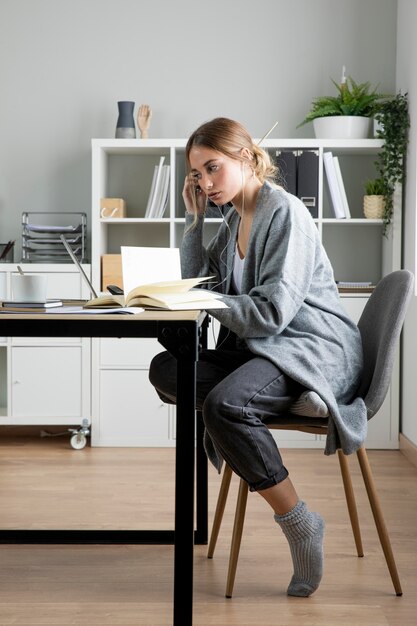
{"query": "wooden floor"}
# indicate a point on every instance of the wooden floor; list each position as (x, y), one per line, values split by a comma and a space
(46, 484)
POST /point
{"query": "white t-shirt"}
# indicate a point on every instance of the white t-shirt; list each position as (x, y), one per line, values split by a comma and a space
(238, 266)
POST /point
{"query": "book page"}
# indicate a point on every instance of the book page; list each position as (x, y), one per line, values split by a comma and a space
(194, 295)
(143, 265)
(106, 300)
(173, 305)
(171, 288)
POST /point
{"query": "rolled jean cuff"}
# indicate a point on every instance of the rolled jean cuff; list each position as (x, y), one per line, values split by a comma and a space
(270, 482)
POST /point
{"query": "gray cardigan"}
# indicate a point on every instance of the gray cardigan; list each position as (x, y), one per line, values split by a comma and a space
(289, 310)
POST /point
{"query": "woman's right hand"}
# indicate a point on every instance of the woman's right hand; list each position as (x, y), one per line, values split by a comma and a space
(195, 199)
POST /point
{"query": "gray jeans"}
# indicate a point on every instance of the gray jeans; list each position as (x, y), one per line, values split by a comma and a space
(236, 391)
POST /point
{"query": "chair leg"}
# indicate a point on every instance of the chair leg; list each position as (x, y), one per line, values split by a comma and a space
(379, 518)
(218, 515)
(350, 501)
(237, 536)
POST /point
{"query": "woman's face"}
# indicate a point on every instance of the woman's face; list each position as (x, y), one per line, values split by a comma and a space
(220, 177)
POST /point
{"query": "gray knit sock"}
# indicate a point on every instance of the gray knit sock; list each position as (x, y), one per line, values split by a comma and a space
(304, 531)
(309, 404)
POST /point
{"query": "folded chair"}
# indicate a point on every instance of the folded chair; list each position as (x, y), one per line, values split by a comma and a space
(380, 326)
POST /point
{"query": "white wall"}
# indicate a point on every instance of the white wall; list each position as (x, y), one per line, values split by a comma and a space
(407, 82)
(65, 63)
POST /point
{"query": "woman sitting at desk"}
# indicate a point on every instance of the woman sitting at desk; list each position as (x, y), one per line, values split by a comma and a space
(284, 331)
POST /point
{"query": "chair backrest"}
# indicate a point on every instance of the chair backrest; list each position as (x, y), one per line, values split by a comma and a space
(380, 326)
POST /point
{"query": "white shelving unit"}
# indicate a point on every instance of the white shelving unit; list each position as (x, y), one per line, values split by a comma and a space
(45, 381)
(356, 247)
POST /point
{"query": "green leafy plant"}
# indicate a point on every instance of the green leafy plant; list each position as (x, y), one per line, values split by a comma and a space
(375, 187)
(394, 123)
(352, 99)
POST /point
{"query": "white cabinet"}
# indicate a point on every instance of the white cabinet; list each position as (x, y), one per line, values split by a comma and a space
(130, 412)
(125, 408)
(45, 380)
(123, 169)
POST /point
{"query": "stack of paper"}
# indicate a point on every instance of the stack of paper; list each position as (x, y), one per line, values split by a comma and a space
(347, 284)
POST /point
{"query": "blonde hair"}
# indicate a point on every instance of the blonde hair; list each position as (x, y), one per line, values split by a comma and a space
(229, 137)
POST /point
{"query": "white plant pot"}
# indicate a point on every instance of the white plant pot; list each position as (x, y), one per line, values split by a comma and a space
(342, 127)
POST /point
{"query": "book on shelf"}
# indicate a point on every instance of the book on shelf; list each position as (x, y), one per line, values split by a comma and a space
(157, 172)
(299, 174)
(158, 195)
(286, 161)
(342, 189)
(162, 197)
(308, 180)
(335, 194)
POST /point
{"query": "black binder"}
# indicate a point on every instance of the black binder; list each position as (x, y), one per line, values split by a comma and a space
(308, 179)
(286, 161)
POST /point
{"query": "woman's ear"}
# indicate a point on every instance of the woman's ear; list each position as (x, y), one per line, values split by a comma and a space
(246, 154)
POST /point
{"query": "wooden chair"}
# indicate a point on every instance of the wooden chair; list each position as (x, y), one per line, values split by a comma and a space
(380, 327)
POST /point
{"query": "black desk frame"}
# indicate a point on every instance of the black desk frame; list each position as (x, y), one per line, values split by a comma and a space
(182, 338)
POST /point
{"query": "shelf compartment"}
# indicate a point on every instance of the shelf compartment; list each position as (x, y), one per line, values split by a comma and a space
(356, 170)
(129, 176)
(355, 253)
(155, 234)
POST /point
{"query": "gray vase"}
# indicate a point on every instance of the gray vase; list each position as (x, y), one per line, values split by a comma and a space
(125, 128)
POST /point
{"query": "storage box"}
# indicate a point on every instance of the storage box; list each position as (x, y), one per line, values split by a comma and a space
(112, 207)
(111, 271)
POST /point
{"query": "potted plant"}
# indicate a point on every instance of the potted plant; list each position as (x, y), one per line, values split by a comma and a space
(374, 199)
(393, 120)
(346, 115)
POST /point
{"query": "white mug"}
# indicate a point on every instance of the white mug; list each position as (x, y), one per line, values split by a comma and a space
(29, 287)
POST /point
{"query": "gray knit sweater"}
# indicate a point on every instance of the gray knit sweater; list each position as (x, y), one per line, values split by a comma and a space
(289, 310)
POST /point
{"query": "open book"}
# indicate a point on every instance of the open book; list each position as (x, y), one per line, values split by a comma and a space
(172, 295)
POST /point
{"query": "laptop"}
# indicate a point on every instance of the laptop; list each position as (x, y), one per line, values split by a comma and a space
(78, 265)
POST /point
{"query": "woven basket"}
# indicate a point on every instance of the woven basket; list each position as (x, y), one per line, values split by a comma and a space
(373, 207)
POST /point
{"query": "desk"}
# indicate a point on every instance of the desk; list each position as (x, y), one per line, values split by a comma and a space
(179, 333)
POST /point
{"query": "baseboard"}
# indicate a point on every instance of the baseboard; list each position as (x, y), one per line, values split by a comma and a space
(408, 449)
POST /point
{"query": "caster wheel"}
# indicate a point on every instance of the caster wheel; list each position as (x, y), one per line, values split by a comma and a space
(78, 441)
